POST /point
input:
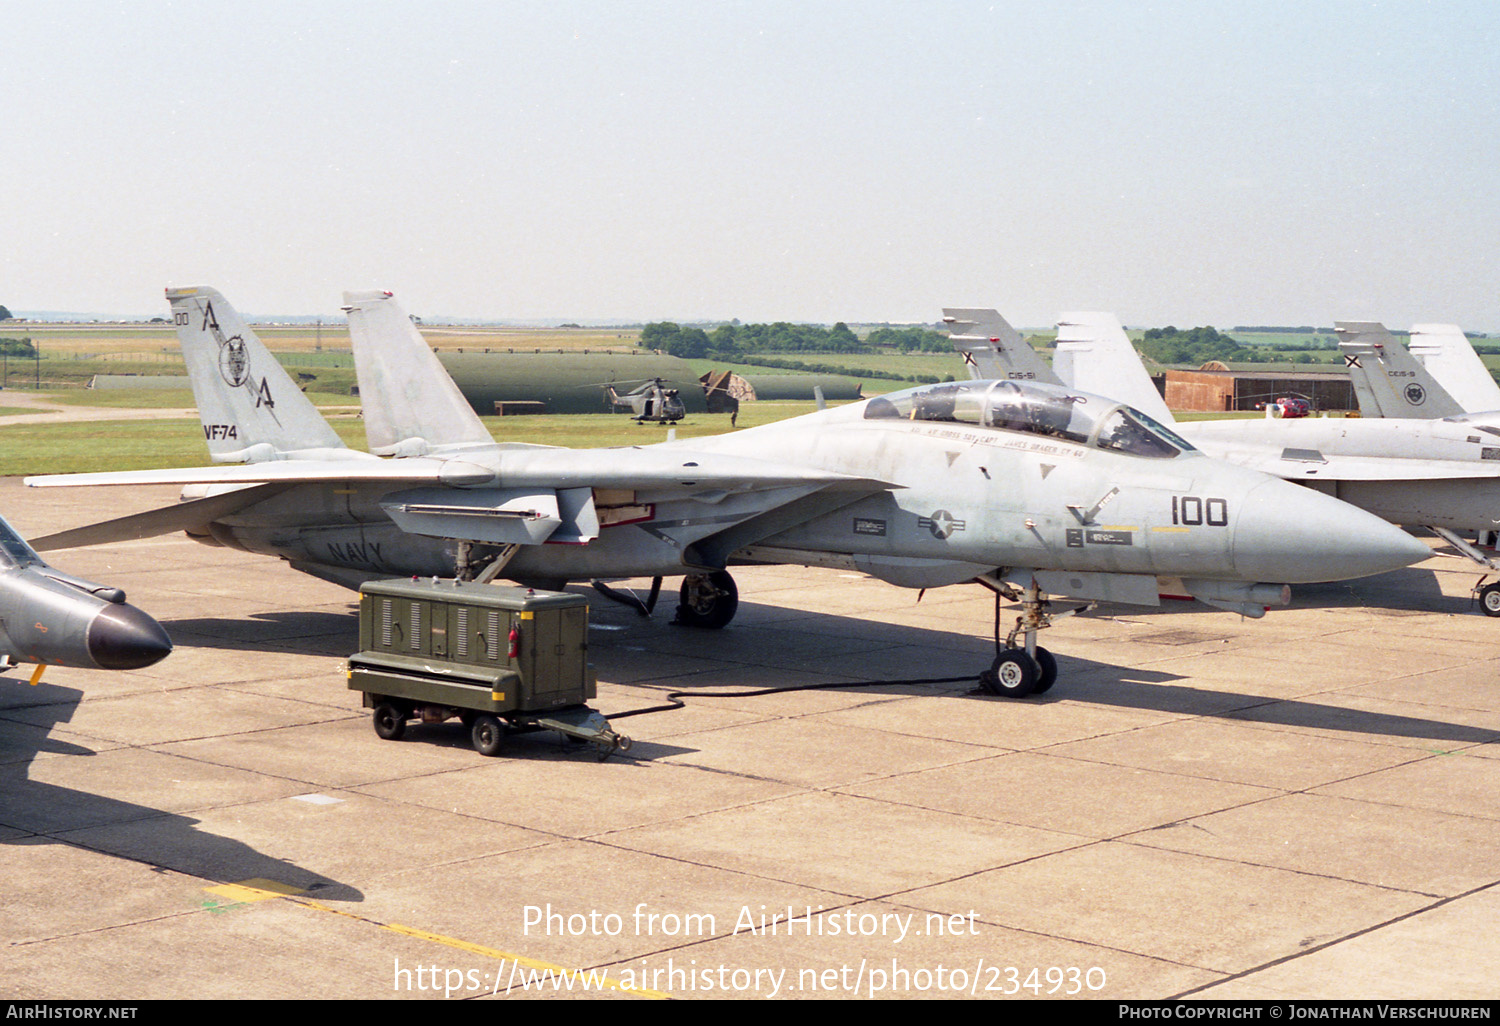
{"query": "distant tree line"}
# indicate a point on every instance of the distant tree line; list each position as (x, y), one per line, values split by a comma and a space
(909, 340)
(1197, 345)
(17, 347)
(5, 314)
(1328, 344)
(731, 341)
(734, 340)
(1200, 345)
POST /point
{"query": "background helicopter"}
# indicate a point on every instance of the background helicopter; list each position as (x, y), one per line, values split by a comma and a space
(651, 402)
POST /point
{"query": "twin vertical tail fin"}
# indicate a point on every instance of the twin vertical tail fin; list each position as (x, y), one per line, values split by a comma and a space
(1450, 358)
(411, 405)
(1095, 355)
(992, 349)
(250, 409)
(1388, 380)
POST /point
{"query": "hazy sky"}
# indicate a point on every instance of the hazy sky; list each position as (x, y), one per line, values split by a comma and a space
(1176, 162)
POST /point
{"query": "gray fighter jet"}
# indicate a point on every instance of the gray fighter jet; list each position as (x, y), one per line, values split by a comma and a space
(1438, 375)
(51, 618)
(1440, 474)
(1388, 381)
(1027, 488)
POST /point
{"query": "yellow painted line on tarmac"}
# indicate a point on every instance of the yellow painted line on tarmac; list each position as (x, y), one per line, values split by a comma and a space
(260, 889)
(531, 963)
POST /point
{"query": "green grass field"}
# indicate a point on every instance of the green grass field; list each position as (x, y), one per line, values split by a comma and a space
(168, 399)
(88, 446)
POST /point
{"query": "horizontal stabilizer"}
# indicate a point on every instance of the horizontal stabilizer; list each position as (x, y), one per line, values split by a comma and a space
(180, 516)
(450, 472)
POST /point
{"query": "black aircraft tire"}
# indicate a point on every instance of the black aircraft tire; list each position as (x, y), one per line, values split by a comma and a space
(1047, 676)
(1013, 675)
(1489, 600)
(390, 721)
(708, 600)
(488, 735)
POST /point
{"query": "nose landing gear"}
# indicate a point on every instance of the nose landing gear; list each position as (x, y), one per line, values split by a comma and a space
(1027, 668)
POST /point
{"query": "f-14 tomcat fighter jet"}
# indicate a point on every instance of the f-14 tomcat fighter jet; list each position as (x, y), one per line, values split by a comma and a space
(52, 618)
(1030, 489)
(1440, 474)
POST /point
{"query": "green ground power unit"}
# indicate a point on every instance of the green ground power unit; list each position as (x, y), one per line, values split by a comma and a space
(501, 659)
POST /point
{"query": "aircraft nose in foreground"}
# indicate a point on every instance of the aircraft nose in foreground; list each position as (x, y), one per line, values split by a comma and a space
(1295, 535)
(122, 637)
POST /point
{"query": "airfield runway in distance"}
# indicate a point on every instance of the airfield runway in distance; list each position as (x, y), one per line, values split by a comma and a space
(1303, 806)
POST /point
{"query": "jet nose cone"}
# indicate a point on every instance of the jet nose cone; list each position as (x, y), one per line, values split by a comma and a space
(1293, 535)
(122, 637)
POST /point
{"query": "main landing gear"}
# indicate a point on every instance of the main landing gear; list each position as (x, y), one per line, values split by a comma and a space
(1016, 673)
(707, 600)
(1487, 594)
(1489, 598)
(1025, 669)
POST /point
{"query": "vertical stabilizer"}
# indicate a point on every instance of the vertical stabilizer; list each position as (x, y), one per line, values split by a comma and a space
(251, 410)
(992, 349)
(411, 405)
(1451, 360)
(1095, 355)
(1387, 379)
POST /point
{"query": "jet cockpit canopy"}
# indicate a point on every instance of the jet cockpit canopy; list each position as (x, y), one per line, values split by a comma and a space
(1053, 411)
(14, 552)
